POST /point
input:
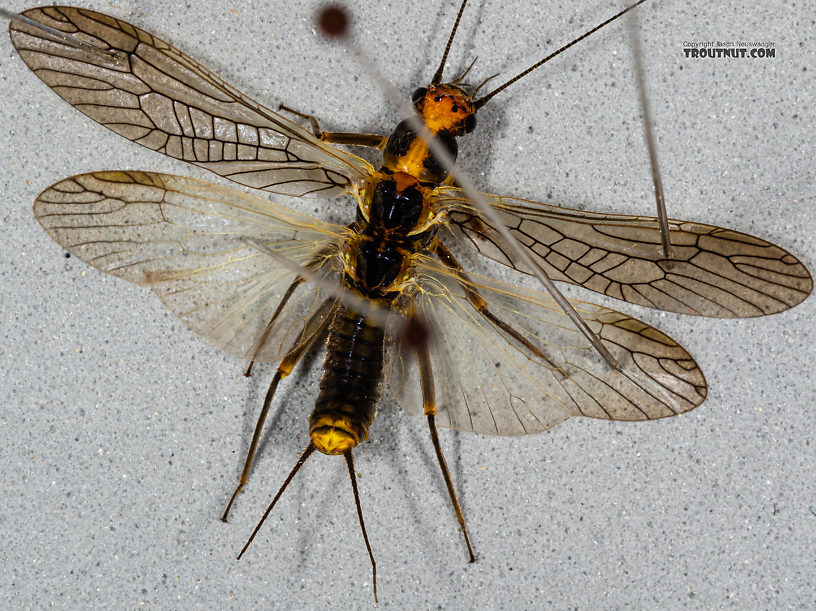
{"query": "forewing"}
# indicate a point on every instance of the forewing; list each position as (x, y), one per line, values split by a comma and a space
(716, 272)
(538, 370)
(153, 94)
(187, 240)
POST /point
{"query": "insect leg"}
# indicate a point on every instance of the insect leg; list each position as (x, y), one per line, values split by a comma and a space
(478, 302)
(375, 141)
(261, 342)
(429, 405)
(349, 138)
(305, 339)
(269, 326)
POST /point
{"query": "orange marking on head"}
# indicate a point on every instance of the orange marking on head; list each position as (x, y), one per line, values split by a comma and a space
(446, 107)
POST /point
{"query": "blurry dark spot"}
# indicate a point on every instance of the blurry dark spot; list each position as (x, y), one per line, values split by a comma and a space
(333, 20)
(416, 334)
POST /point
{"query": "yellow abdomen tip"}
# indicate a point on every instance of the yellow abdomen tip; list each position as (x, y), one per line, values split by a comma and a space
(331, 440)
(335, 433)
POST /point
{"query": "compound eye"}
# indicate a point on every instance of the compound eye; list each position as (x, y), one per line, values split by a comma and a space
(470, 123)
(418, 95)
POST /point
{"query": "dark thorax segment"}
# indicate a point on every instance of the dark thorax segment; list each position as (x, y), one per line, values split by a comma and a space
(389, 230)
(395, 208)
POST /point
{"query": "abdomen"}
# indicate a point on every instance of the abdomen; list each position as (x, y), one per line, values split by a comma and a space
(350, 386)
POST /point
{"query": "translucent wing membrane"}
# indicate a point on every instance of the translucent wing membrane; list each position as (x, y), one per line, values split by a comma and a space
(153, 94)
(534, 369)
(186, 240)
(716, 272)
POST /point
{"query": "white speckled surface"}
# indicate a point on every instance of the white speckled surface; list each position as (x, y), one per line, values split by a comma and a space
(123, 432)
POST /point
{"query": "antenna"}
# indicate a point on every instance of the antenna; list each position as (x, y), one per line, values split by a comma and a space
(484, 99)
(437, 77)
